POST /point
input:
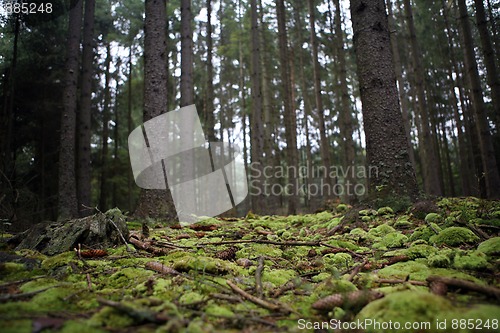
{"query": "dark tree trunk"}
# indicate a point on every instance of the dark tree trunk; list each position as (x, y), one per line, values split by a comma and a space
(386, 145)
(209, 106)
(103, 193)
(84, 132)
(324, 144)
(489, 61)
(257, 134)
(155, 203)
(68, 202)
(187, 89)
(489, 162)
(430, 159)
(289, 115)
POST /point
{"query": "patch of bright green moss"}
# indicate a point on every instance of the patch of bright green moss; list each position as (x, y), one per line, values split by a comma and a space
(191, 297)
(332, 286)
(128, 277)
(219, 311)
(454, 236)
(433, 218)
(474, 261)
(439, 260)
(338, 260)
(394, 239)
(203, 264)
(490, 247)
(278, 277)
(405, 307)
(108, 317)
(384, 211)
(257, 250)
(381, 230)
(424, 232)
(62, 259)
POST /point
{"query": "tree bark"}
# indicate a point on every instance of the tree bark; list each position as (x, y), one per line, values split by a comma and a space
(68, 202)
(324, 144)
(386, 145)
(257, 134)
(489, 61)
(209, 106)
(103, 193)
(187, 89)
(430, 160)
(155, 203)
(489, 162)
(84, 132)
(289, 115)
(346, 117)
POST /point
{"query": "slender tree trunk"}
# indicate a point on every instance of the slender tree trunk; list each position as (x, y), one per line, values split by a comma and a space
(324, 144)
(399, 77)
(129, 124)
(462, 145)
(430, 162)
(257, 137)
(489, 162)
(84, 131)
(345, 101)
(68, 202)
(289, 115)
(489, 61)
(103, 194)
(187, 88)
(210, 84)
(155, 203)
(305, 96)
(386, 145)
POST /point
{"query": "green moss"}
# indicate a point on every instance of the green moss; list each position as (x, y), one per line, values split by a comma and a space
(219, 311)
(338, 260)
(257, 250)
(474, 261)
(394, 239)
(278, 277)
(367, 212)
(454, 236)
(439, 260)
(321, 277)
(191, 297)
(110, 318)
(203, 264)
(128, 277)
(424, 232)
(332, 286)
(79, 326)
(341, 208)
(381, 230)
(433, 218)
(384, 211)
(405, 307)
(16, 326)
(490, 247)
(401, 270)
(59, 260)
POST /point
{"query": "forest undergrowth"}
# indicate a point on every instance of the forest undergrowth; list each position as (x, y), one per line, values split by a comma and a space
(435, 262)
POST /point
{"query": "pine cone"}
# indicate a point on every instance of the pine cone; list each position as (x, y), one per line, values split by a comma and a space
(93, 253)
(358, 298)
(227, 254)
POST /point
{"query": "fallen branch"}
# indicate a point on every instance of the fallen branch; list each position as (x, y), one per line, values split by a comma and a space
(161, 268)
(253, 299)
(139, 315)
(468, 285)
(397, 281)
(258, 277)
(9, 297)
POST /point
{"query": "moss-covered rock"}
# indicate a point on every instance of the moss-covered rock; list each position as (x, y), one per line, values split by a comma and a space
(454, 236)
(424, 232)
(381, 230)
(394, 239)
(439, 260)
(433, 218)
(405, 307)
(476, 260)
(490, 247)
(382, 211)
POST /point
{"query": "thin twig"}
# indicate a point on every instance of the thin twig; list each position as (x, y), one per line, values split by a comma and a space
(253, 299)
(258, 277)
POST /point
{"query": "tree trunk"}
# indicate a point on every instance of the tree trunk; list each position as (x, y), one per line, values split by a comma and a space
(399, 76)
(84, 132)
(324, 144)
(209, 107)
(489, 162)
(289, 115)
(68, 202)
(187, 89)
(103, 193)
(257, 136)
(489, 61)
(346, 117)
(430, 161)
(155, 203)
(386, 145)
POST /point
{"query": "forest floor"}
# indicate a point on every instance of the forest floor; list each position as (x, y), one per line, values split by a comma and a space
(434, 267)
